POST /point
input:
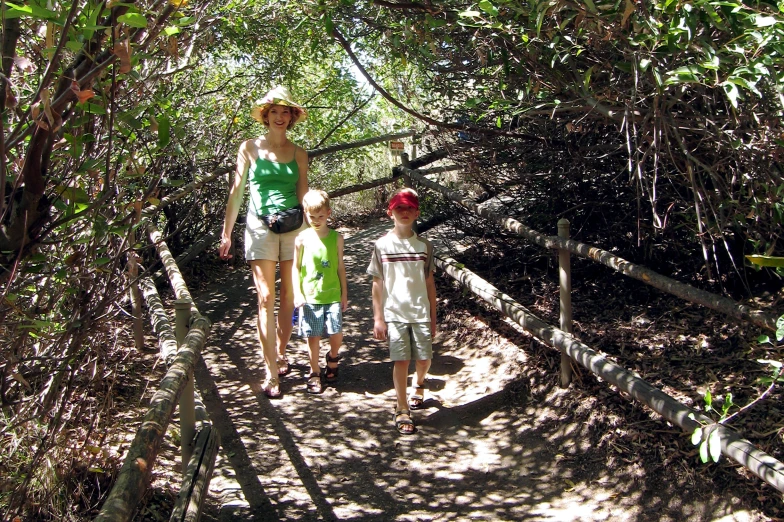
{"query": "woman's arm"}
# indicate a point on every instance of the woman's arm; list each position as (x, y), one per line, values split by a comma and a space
(299, 298)
(236, 194)
(301, 155)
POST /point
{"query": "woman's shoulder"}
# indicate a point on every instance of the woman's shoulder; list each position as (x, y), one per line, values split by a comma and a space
(250, 147)
(300, 152)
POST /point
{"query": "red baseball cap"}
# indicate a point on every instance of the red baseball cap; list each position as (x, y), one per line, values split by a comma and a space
(407, 197)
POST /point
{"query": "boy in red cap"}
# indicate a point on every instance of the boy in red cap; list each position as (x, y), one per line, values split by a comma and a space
(404, 302)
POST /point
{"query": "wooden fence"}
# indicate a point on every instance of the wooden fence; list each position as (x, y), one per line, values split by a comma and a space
(732, 444)
(181, 347)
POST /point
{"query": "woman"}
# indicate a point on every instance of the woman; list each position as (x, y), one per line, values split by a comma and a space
(277, 171)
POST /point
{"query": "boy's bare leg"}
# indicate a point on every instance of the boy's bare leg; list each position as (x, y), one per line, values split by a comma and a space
(422, 367)
(314, 346)
(335, 341)
(400, 380)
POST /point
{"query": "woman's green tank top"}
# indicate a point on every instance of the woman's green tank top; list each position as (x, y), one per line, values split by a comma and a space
(319, 268)
(273, 186)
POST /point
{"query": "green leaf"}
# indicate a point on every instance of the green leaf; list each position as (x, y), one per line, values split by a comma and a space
(714, 445)
(766, 260)
(73, 194)
(696, 435)
(329, 25)
(591, 6)
(32, 10)
(164, 131)
(708, 399)
(704, 451)
(171, 31)
(687, 74)
(92, 108)
(775, 364)
(133, 19)
(763, 339)
(488, 7)
(732, 92)
(764, 21)
(469, 14)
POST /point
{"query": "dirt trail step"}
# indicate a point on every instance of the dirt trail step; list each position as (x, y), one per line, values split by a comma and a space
(483, 450)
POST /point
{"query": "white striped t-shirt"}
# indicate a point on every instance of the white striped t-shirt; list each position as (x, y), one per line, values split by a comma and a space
(403, 265)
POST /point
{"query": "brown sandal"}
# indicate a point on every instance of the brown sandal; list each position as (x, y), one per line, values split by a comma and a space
(418, 398)
(272, 389)
(330, 373)
(402, 424)
(314, 384)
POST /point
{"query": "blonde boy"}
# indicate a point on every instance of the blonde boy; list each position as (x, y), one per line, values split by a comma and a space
(404, 302)
(319, 277)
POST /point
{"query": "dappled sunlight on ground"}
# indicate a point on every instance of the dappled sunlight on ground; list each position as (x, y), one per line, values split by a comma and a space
(487, 448)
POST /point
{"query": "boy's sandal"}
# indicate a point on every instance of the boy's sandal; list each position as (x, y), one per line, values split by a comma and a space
(416, 400)
(314, 383)
(272, 389)
(331, 373)
(283, 366)
(403, 422)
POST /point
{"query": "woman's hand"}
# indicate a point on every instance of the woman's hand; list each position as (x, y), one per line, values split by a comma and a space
(225, 248)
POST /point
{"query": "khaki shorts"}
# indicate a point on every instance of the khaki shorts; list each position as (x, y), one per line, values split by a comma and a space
(410, 341)
(261, 243)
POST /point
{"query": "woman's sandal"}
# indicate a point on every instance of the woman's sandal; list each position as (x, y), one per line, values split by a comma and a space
(331, 373)
(283, 367)
(416, 400)
(404, 426)
(314, 383)
(272, 389)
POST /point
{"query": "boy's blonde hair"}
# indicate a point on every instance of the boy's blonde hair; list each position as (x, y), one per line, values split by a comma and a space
(315, 200)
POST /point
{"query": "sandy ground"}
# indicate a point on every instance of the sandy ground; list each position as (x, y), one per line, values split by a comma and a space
(487, 448)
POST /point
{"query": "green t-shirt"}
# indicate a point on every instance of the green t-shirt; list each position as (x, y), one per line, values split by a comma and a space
(273, 186)
(319, 268)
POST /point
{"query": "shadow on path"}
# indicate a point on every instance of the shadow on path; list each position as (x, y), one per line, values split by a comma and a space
(484, 450)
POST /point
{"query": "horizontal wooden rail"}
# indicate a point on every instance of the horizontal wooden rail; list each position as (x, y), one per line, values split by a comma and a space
(135, 473)
(627, 268)
(161, 325)
(197, 476)
(363, 186)
(170, 265)
(732, 445)
(315, 153)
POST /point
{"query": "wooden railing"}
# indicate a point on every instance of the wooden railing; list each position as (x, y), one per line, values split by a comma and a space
(181, 347)
(733, 445)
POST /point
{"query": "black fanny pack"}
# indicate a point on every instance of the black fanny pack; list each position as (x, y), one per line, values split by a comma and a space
(285, 221)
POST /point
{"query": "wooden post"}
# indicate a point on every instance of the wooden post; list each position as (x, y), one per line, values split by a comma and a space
(405, 162)
(197, 481)
(408, 183)
(565, 273)
(182, 308)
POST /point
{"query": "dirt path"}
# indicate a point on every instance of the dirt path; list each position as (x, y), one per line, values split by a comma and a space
(484, 451)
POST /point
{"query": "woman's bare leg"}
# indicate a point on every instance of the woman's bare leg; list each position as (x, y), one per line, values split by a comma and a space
(264, 280)
(285, 309)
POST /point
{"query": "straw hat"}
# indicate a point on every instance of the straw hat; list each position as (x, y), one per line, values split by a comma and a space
(278, 96)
